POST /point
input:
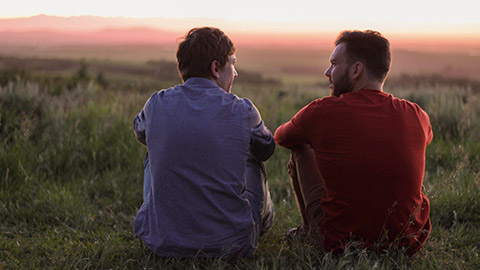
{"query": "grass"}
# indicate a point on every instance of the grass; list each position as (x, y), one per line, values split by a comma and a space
(71, 179)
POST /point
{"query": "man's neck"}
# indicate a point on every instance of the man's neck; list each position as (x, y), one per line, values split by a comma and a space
(371, 85)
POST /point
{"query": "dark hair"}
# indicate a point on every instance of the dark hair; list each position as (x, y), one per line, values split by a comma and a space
(369, 47)
(199, 48)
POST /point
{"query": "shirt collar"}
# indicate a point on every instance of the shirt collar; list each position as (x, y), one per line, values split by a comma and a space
(198, 81)
(371, 90)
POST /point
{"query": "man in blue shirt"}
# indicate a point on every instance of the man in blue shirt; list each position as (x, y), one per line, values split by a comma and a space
(208, 194)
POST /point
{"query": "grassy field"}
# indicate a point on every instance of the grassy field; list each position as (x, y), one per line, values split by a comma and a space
(71, 171)
(288, 63)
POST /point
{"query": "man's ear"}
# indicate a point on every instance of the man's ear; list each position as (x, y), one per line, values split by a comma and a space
(356, 70)
(215, 68)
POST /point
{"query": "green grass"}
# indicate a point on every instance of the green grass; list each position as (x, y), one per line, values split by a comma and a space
(71, 180)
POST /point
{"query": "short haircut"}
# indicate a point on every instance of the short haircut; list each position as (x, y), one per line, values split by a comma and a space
(368, 47)
(199, 48)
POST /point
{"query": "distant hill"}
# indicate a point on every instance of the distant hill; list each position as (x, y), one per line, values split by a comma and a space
(46, 30)
(131, 36)
(93, 23)
(82, 30)
(94, 30)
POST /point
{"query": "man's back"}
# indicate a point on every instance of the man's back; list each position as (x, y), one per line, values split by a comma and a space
(198, 138)
(370, 150)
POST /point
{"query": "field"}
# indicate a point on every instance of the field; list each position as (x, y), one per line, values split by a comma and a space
(71, 171)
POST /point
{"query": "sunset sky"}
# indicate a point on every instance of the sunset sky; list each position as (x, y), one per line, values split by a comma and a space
(453, 18)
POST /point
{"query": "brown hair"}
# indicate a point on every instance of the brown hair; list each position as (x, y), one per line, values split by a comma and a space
(199, 48)
(369, 47)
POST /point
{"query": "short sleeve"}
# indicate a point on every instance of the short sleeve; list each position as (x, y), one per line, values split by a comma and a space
(296, 130)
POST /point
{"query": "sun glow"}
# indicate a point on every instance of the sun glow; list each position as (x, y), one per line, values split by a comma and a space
(429, 24)
(428, 16)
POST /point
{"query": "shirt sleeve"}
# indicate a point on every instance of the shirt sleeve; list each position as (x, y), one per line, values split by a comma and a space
(429, 132)
(294, 131)
(425, 123)
(140, 122)
(262, 144)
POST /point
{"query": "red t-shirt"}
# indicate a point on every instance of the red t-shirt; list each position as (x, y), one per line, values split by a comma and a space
(370, 149)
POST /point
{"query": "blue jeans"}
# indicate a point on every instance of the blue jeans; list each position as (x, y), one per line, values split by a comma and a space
(258, 194)
(256, 191)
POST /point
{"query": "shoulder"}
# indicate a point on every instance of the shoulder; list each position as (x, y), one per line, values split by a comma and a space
(248, 109)
(414, 111)
(322, 104)
(238, 103)
(411, 106)
(159, 93)
(156, 98)
(247, 103)
(326, 101)
(316, 109)
(164, 92)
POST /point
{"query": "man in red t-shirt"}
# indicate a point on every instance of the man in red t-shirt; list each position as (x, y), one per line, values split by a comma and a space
(358, 156)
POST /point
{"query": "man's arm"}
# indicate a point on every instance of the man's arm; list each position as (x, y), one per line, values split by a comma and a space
(139, 127)
(262, 144)
(294, 132)
(140, 123)
(424, 120)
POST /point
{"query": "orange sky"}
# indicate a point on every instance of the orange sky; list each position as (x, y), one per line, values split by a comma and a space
(432, 23)
(406, 16)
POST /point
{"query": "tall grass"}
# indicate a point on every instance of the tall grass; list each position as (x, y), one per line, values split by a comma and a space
(71, 181)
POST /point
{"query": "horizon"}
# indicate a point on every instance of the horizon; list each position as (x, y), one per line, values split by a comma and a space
(449, 29)
(438, 19)
(302, 45)
(408, 16)
(245, 33)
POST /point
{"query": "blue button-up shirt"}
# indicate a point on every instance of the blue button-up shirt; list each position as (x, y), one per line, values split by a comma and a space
(198, 138)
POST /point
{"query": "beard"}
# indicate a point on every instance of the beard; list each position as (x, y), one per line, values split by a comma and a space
(344, 85)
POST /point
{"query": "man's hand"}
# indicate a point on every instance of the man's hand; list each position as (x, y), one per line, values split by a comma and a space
(292, 168)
